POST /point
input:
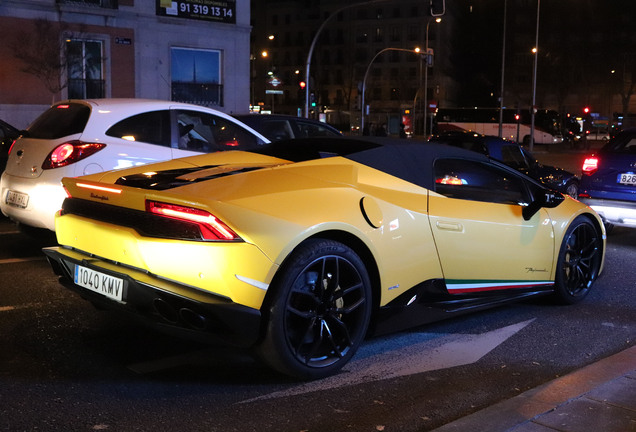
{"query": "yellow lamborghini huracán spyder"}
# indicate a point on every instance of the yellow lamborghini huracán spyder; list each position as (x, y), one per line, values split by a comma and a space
(302, 249)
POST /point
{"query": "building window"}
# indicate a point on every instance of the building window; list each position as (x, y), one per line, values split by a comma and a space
(196, 76)
(413, 33)
(396, 33)
(379, 34)
(85, 69)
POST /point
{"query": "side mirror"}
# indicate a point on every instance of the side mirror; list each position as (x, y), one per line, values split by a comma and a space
(547, 198)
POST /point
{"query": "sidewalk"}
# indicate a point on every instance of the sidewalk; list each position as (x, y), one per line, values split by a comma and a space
(600, 397)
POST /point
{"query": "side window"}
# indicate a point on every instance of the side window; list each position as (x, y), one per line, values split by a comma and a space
(204, 132)
(277, 130)
(307, 130)
(151, 127)
(512, 156)
(476, 181)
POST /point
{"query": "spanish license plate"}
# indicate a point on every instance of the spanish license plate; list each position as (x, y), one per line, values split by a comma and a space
(627, 179)
(109, 286)
(17, 199)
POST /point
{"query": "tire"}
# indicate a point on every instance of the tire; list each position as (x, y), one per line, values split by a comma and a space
(526, 140)
(572, 189)
(579, 261)
(319, 313)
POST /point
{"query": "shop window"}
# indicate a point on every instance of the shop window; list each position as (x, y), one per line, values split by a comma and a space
(84, 61)
(196, 76)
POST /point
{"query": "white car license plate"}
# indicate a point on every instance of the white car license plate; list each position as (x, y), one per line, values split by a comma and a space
(101, 283)
(17, 199)
(627, 179)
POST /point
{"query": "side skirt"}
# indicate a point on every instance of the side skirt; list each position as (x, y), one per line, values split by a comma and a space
(430, 301)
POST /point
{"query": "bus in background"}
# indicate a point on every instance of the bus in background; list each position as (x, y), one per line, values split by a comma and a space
(515, 126)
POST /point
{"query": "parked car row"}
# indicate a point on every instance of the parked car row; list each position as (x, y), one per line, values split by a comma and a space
(81, 137)
(294, 246)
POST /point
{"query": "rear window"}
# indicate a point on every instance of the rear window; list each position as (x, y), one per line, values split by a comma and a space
(59, 121)
(151, 127)
(623, 143)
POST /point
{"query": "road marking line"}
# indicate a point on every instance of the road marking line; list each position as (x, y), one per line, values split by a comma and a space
(410, 354)
(19, 260)
(12, 308)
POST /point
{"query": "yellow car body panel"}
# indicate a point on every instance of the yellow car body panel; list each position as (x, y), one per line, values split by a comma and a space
(278, 221)
(464, 226)
(296, 251)
(195, 264)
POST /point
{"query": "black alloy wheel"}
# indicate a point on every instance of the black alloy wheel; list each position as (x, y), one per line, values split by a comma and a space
(320, 313)
(579, 261)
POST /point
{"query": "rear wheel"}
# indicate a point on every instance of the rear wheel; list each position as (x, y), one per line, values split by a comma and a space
(319, 312)
(579, 261)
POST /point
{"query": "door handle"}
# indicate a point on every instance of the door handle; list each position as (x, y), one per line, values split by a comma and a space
(450, 226)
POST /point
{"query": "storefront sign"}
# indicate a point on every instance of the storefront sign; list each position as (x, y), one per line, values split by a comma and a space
(211, 10)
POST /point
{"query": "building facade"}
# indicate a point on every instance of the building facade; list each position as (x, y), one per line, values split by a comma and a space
(188, 50)
(380, 37)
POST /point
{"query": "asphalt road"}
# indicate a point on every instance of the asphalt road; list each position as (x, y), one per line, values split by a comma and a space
(65, 365)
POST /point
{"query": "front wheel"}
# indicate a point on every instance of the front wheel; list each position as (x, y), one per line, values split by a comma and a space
(579, 261)
(319, 313)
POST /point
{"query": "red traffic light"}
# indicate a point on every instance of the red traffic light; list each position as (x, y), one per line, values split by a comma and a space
(302, 84)
(586, 110)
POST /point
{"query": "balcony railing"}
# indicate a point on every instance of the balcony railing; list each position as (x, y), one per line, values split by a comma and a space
(107, 4)
(198, 93)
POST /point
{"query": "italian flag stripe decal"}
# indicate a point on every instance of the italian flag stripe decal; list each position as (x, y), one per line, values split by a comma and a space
(458, 286)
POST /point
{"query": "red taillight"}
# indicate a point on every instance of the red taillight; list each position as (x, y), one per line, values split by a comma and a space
(450, 180)
(211, 228)
(590, 165)
(70, 152)
(99, 188)
(11, 148)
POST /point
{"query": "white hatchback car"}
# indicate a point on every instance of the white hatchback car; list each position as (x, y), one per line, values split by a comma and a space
(79, 137)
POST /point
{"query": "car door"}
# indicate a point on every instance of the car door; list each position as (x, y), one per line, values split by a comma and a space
(483, 241)
(139, 139)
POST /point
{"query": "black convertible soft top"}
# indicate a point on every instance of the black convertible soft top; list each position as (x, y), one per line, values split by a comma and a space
(410, 160)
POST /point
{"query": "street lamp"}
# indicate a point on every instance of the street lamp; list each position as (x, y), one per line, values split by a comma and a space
(366, 73)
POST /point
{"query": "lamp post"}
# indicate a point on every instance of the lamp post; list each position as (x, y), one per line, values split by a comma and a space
(426, 76)
(503, 64)
(534, 81)
(366, 73)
